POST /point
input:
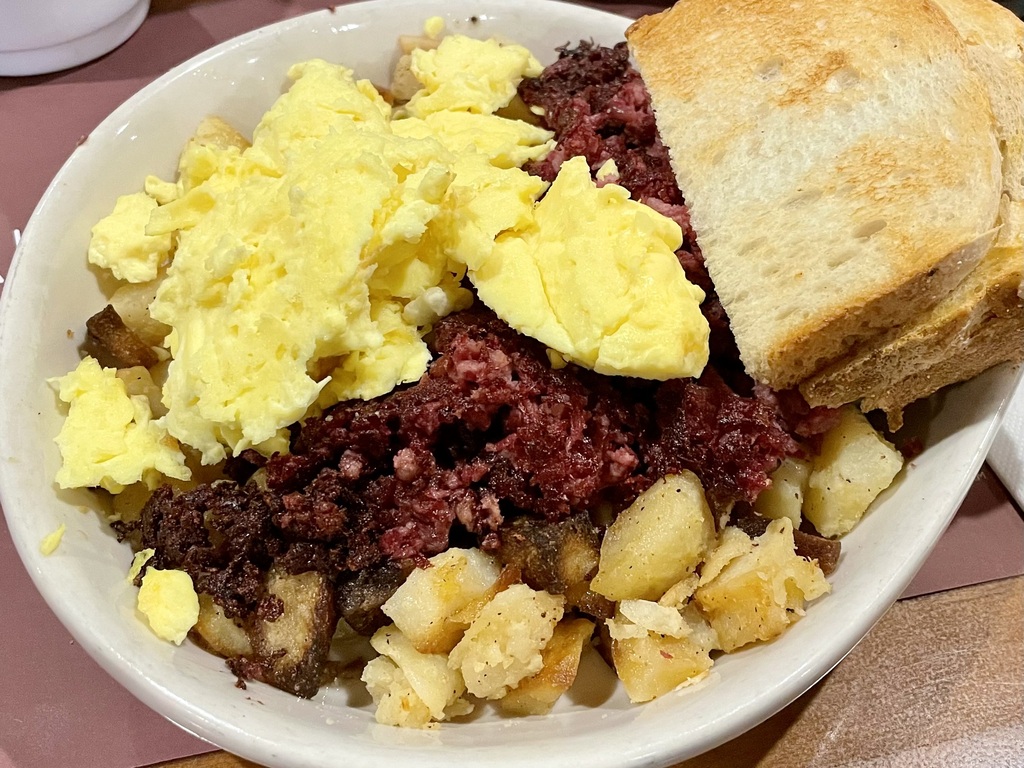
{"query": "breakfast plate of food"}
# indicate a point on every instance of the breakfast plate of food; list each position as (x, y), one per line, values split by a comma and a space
(429, 381)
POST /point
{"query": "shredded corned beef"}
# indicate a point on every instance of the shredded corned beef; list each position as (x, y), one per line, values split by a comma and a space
(491, 433)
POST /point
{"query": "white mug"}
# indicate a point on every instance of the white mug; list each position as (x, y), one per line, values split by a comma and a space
(40, 36)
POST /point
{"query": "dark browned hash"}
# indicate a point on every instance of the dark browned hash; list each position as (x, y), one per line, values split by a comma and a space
(491, 448)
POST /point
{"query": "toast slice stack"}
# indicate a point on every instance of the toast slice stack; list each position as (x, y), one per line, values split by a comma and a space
(854, 172)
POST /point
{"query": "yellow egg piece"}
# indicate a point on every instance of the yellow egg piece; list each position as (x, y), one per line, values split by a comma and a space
(169, 602)
(595, 277)
(120, 243)
(109, 439)
(467, 75)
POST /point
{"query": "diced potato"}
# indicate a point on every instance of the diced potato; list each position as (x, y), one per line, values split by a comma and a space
(657, 541)
(561, 660)
(757, 594)
(558, 557)
(429, 607)
(855, 465)
(412, 688)
(360, 599)
(219, 634)
(650, 663)
(113, 344)
(653, 617)
(290, 652)
(137, 381)
(785, 496)
(131, 301)
(403, 82)
(679, 594)
(214, 131)
(503, 644)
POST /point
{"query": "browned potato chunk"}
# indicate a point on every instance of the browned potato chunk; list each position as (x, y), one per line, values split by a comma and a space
(131, 302)
(412, 689)
(559, 558)
(785, 496)
(290, 652)
(113, 344)
(503, 645)
(655, 542)
(751, 590)
(360, 599)
(666, 649)
(855, 465)
(428, 607)
(561, 660)
(219, 634)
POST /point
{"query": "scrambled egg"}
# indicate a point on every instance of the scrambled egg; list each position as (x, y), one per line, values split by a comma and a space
(167, 599)
(462, 74)
(120, 243)
(309, 264)
(108, 438)
(594, 276)
(52, 540)
(169, 602)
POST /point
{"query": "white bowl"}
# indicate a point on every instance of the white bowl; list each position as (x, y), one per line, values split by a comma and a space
(45, 36)
(50, 293)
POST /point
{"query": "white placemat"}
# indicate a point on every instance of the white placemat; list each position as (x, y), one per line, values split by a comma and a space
(1006, 457)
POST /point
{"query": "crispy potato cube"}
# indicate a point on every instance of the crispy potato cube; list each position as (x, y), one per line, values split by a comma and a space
(759, 587)
(557, 557)
(290, 651)
(785, 496)
(824, 551)
(651, 663)
(410, 688)
(360, 598)
(503, 645)
(654, 543)
(428, 607)
(855, 465)
(114, 344)
(219, 634)
(561, 661)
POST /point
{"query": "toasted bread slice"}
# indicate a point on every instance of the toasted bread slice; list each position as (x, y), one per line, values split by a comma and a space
(905, 365)
(909, 361)
(839, 160)
(995, 48)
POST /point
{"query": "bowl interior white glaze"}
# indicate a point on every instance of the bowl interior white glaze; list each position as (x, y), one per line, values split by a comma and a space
(51, 291)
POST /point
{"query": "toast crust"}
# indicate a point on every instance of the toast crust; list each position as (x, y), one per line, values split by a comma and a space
(839, 160)
(997, 340)
(989, 294)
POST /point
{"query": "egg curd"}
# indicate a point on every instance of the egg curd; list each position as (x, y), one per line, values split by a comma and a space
(304, 268)
(110, 440)
(167, 599)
